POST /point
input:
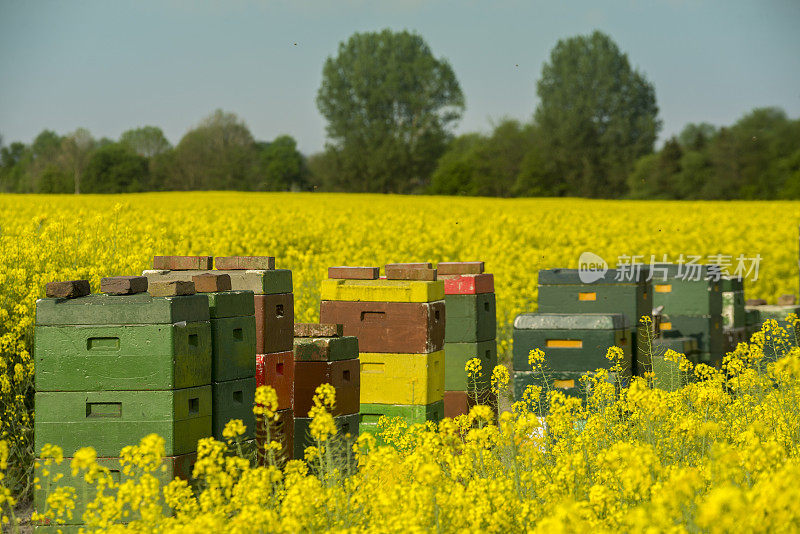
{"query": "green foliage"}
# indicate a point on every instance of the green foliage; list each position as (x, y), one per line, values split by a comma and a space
(147, 141)
(115, 168)
(600, 115)
(280, 167)
(390, 106)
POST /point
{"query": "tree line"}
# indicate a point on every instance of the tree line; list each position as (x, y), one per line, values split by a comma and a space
(391, 107)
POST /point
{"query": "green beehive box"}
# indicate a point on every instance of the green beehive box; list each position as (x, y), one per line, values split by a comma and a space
(230, 304)
(621, 290)
(266, 282)
(172, 466)
(413, 414)
(567, 382)
(345, 424)
(571, 342)
(456, 356)
(325, 349)
(752, 317)
(666, 373)
(129, 357)
(707, 330)
(728, 284)
(733, 312)
(233, 352)
(684, 289)
(122, 309)
(470, 318)
(233, 399)
(111, 420)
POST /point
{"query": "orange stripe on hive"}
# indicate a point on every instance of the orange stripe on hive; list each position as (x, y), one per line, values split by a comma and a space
(564, 344)
(587, 296)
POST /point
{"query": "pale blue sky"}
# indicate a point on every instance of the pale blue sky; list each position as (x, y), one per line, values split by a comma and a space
(113, 65)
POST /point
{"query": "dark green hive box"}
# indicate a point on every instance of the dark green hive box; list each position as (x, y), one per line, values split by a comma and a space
(777, 313)
(562, 291)
(571, 342)
(729, 285)
(707, 330)
(111, 420)
(731, 337)
(413, 414)
(687, 290)
(567, 382)
(230, 304)
(345, 424)
(233, 348)
(233, 399)
(325, 349)
(470, 318)
(130, 357)
(122, 310)
(456, 356)
(172, 466)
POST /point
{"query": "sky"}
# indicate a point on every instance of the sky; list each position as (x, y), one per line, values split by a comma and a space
(114, 65)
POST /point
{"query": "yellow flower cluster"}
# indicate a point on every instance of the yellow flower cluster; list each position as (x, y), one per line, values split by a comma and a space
(720, 455)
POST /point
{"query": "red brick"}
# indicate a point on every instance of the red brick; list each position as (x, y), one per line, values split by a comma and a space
(353, 273)
(318, 330)
(182, 263)
(123, 285)
(239, 263)
(468, 284)
(211, 283)
(277, 370)
(419, 265)
(171, 289)
(460, 267)
(406, 273)
(67, 290)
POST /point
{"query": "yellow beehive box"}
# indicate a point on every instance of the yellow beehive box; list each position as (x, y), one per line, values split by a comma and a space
(388, 378)
(382, 290)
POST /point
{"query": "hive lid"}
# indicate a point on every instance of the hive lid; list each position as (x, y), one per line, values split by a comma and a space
(624, 275)
(569, 321)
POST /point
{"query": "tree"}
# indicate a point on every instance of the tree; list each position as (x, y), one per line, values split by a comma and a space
(115, 168)
(147, 141)
(599, 115)
(218, 154)
(390, 106)
(695, 136)
(280, 166)
(76, 148)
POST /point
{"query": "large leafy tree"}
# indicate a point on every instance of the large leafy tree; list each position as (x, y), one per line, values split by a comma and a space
(390, 106)
(598, 114)
(218, 154)
(147, 141)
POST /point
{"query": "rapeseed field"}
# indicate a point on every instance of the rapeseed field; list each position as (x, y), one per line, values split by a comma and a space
(718, 455)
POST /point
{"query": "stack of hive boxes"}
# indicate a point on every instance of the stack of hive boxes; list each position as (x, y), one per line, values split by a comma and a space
(578, 320)
(573, 345)
(692, 307)
(273, 301)
(734, 322)
(233, 342)
(667, 374)
(324, 355)
(400, 325)
(778, 312)
(112, 368)
(470, 332)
